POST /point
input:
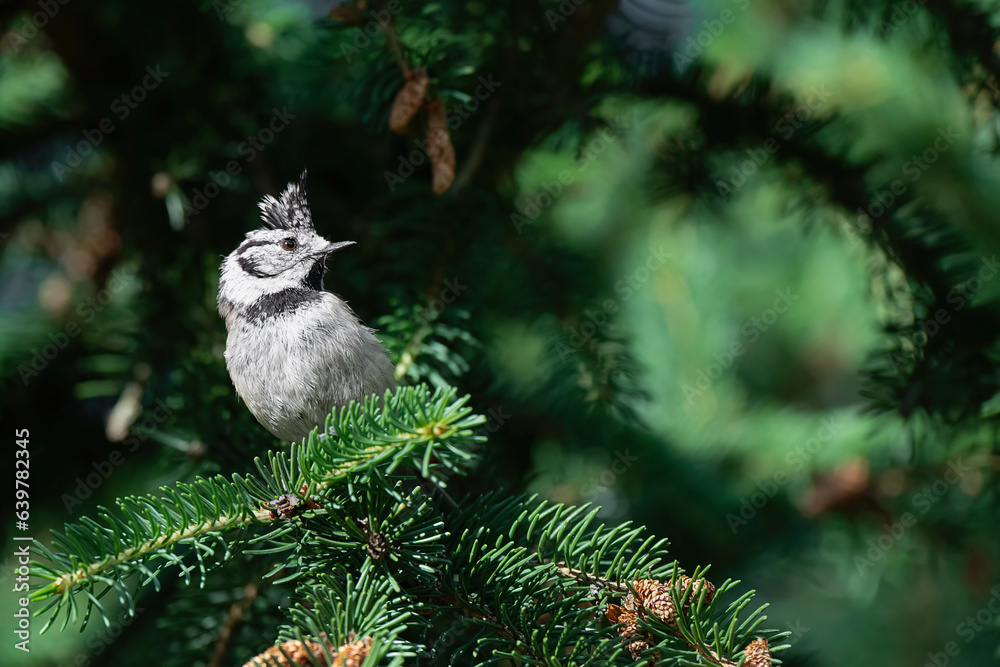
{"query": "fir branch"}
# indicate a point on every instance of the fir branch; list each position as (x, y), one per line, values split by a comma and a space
(588, 579)
(424, 344)
(518, 554)
(679, 602)
(416, 429)
(971, 32)
(364, 606)
(70, 580)
(144, 529)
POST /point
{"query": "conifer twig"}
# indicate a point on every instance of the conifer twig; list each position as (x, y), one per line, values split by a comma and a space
(590, 579)
(236, 612)
(506, 632)
(70, 580)
(479, 148)
(392, 37)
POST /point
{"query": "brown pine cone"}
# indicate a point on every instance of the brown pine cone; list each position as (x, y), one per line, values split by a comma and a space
(352, 655)
(348, 655)
(695, 586)
(636, 640)
(346, 13)
(408, 100)
(657, 600)
(294, 649)
(757, 654)
(637, 646)
(439, 147)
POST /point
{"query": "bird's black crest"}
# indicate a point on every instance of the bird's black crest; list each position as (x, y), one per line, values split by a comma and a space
(290, 210)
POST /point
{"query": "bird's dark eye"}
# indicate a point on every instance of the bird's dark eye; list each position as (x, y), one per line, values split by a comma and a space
(289, 243)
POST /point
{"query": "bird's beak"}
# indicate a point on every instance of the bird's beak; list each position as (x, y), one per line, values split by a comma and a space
(334, 247)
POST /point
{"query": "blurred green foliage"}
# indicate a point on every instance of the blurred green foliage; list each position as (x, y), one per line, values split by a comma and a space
(747, 301)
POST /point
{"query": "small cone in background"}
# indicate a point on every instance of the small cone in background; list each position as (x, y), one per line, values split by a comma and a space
(408, 100)
(757, 654)
(439, 148)
(348, 655)
(345, 13)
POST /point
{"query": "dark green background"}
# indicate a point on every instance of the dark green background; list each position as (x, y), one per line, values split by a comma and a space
(601, 279)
